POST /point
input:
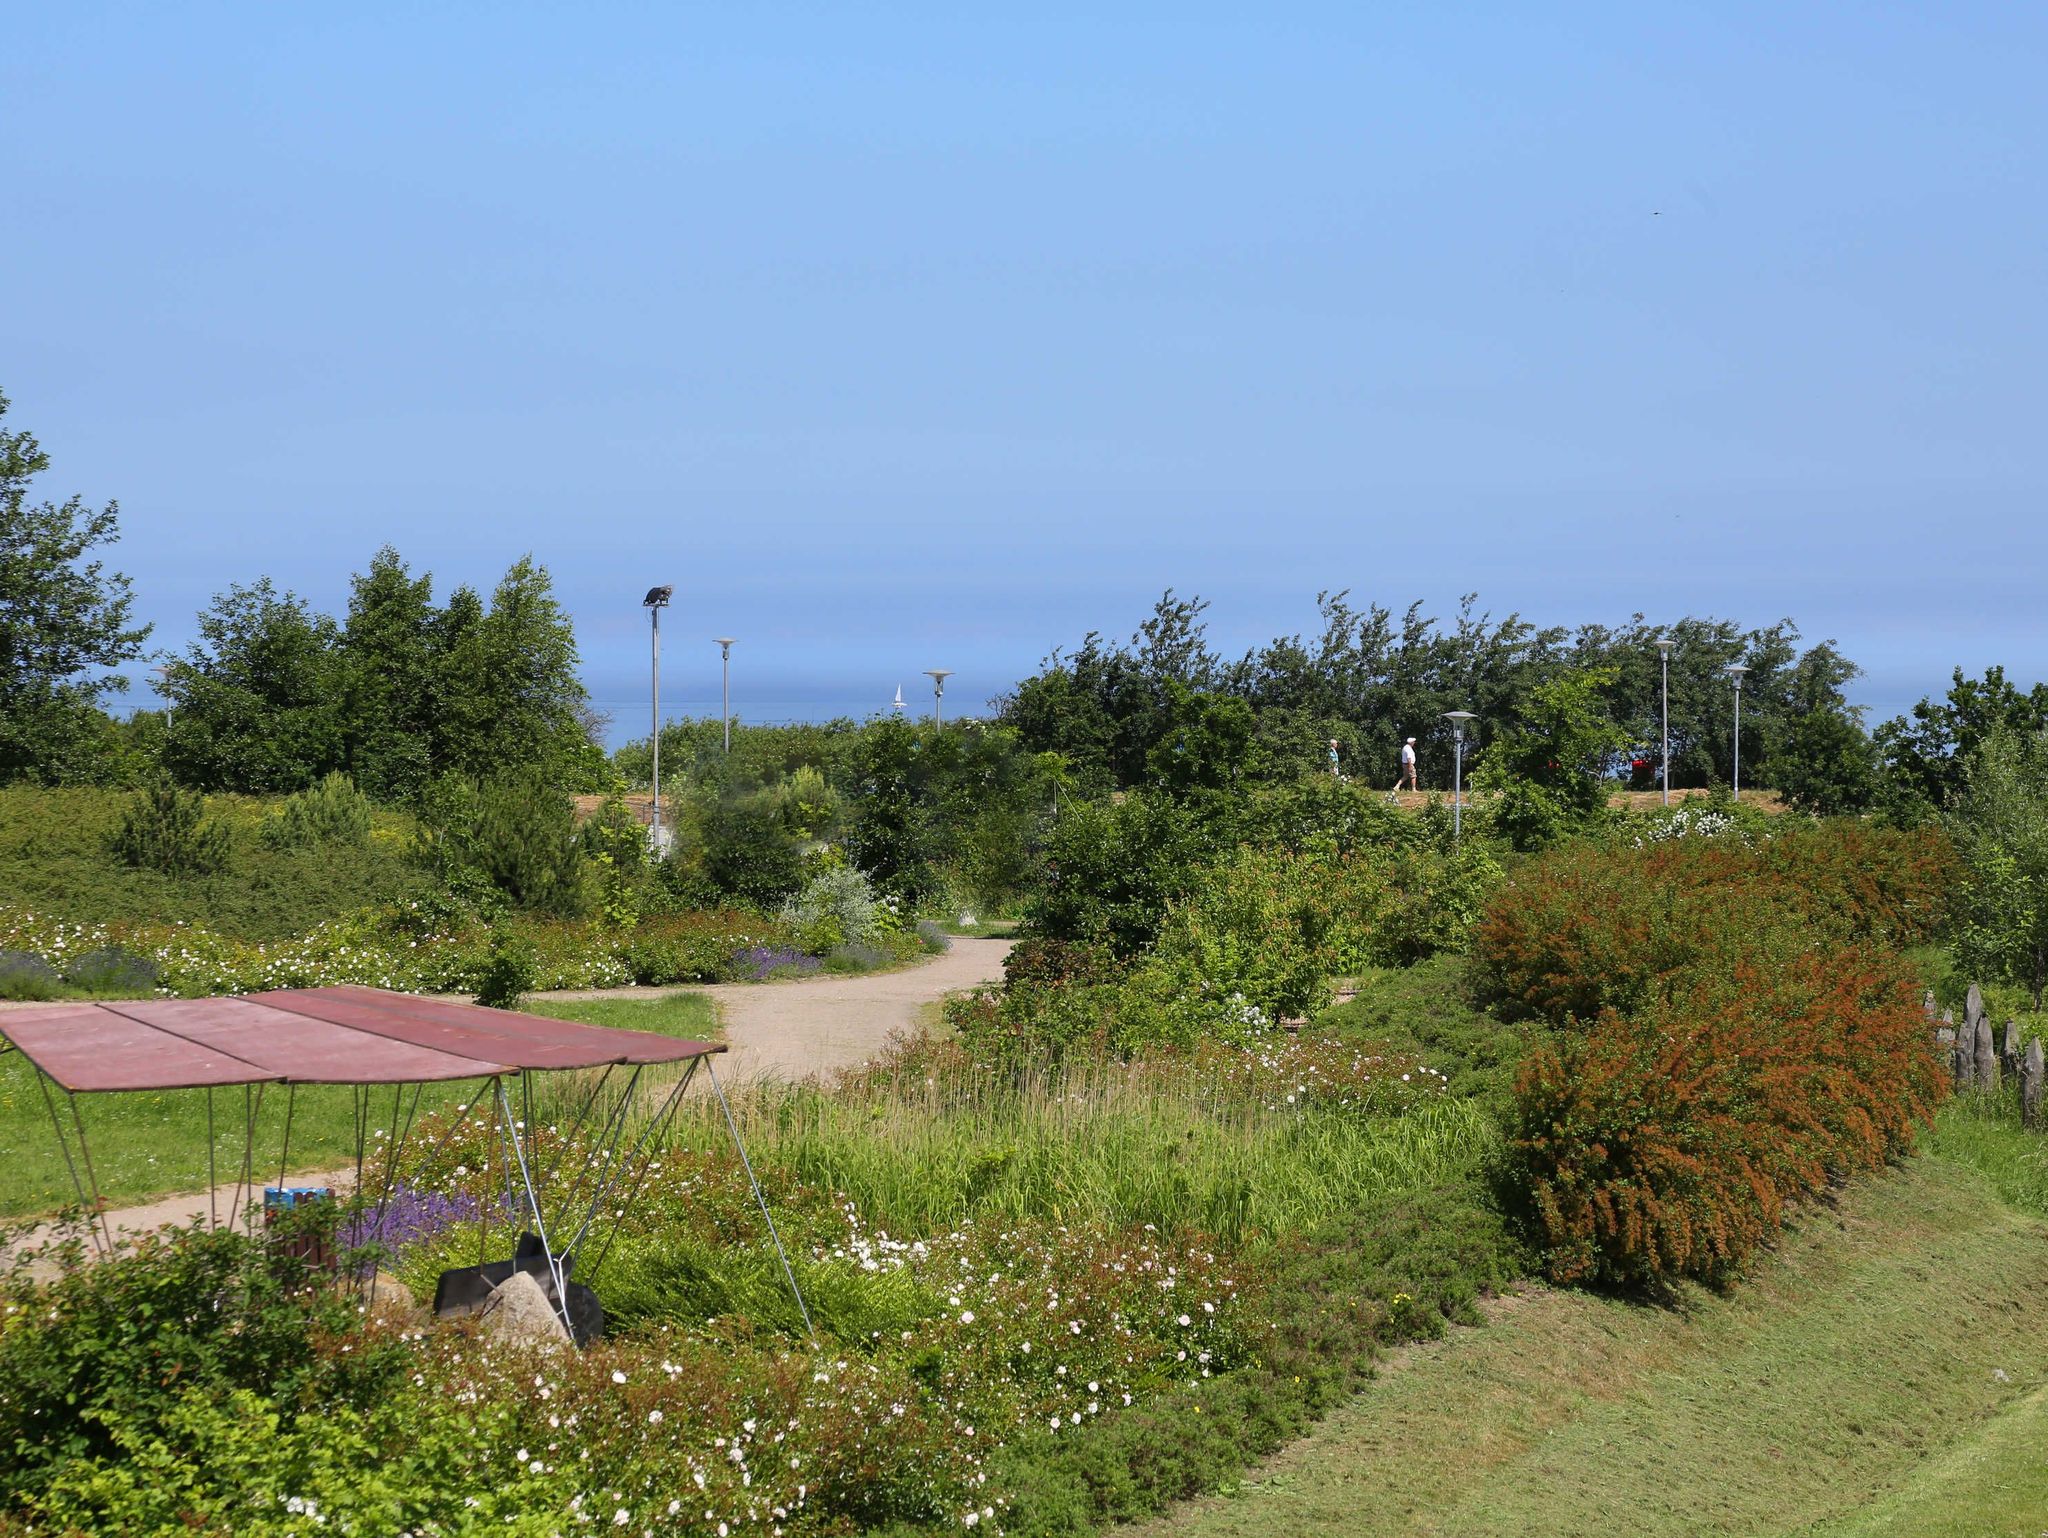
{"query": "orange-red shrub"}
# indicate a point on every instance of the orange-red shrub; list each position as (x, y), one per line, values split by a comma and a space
(1667, 1143)
(1583, 930)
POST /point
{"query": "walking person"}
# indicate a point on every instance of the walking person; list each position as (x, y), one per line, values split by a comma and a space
(1407, 781)
(1334, 770)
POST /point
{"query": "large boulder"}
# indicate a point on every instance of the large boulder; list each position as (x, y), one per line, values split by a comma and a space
(519, 1311)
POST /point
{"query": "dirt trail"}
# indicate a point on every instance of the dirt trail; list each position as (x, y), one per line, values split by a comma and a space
(786, 1030)
(813, 1025)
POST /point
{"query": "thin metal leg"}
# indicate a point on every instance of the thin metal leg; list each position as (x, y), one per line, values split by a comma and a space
(212, 1182)
(284, 1153)
(648, 1141)
(92, 1180)
(539, 1223)
(64, 1147)
(767, 1217)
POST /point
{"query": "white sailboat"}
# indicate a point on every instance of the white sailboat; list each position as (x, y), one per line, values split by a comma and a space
(899, 699)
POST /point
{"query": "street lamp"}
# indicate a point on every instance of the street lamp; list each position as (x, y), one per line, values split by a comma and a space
(938, 676)
(656, 600)
(1664, 758)
(1735, 670)
(725, 684)
(1458, 718)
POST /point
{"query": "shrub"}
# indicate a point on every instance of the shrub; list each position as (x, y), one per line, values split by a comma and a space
(26, 976)
(858, 958)
(1583, 929)
(836, 907)
(113, 970)
(165, 829)
(1668, 1144)
(332, 811)
(931, 939)
(509, 974)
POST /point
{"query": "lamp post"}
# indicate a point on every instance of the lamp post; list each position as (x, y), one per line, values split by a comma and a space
(1664, 755)
(1735, 670)
(725, 686)
(1458, 718)
(656, 600)
(938, 676)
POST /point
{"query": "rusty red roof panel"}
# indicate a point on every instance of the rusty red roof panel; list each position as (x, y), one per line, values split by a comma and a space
(87, 1047)
(525, 1041)
(314, 1036)
(302, 1050)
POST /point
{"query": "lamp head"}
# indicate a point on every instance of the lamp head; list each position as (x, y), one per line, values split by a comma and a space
(1664, 645)
(938, 676)
(1735, 670)
(657, 597)
(724, 641)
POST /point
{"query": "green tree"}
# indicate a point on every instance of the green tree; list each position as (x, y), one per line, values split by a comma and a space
(1924, 754)
(390, 646)
(2000, 827)
(63, 619)
(509, 693)
(165, 829)
(259, 696)
(1203, 745)
(1551, 771)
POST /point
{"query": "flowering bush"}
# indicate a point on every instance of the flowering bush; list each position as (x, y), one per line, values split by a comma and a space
(1668, 1144)
(415, 947)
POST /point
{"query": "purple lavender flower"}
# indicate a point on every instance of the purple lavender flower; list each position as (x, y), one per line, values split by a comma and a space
(760, 962)
(407, 1218)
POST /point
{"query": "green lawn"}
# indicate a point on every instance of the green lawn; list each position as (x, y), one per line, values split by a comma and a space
(148, 1145)
(1880, 1376)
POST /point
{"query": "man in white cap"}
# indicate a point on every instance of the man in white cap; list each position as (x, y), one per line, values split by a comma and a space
(1408, 764)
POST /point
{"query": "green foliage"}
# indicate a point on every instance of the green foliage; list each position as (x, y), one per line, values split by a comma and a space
(54, 847)
(1371, 677)
(1927, 755)
(1203, 743)
(616, 842)
(1112, 867)
(1549, 774)
(509, 974)
(2000, 828)
(511, 840)
(25, 977)
(63, 619)
(1427, 1009)
(1825, 764)
(113, 971)
(330, 812)
(165, 829)
(746, 848)
(274, 694)
(836, 907)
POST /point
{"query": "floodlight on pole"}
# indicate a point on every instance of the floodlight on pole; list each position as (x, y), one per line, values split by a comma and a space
(938, 676)
(725, 685)
(1664, 756)
(656, 600)
(1458, 718)
(1735, 670)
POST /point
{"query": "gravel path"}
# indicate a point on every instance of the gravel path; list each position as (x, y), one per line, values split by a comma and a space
(785, 1030)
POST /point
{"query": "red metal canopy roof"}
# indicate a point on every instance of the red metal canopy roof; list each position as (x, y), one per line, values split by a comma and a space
(313, 1036)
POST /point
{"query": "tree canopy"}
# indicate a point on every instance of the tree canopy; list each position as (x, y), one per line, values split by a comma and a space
(64, 622)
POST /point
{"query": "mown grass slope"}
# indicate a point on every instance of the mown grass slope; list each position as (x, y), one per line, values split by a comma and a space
(1881, 1374)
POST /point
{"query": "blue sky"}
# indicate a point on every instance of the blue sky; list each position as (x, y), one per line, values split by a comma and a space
(903, 337)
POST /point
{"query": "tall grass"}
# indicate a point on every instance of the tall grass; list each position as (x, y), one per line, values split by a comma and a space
(940, 1140)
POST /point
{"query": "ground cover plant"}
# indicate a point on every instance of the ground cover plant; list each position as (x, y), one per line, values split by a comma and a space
(1023, 1260)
